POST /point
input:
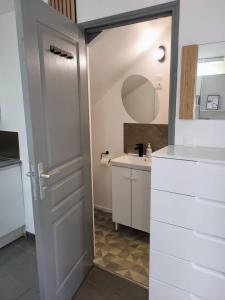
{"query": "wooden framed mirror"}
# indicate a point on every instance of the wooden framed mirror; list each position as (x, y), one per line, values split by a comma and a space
(202, 94)
(188, 81)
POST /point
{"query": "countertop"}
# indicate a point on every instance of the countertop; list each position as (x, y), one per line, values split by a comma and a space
(192, 153)
(9, 162)
(132, 162)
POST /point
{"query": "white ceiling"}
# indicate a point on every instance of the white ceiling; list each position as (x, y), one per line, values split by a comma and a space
(115, 50)
(6, 6)
(211, 50)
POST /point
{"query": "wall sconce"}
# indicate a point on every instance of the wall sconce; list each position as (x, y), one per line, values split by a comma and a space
(160, 53)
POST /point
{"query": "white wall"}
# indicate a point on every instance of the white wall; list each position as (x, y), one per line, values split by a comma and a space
(201, 21)
(88, 10)
(11, 102)
(108, 115)
(200, 31)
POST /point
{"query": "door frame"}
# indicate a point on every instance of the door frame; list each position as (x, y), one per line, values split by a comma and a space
(93, 28)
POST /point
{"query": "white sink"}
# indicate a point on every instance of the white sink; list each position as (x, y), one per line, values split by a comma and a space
(132, 161)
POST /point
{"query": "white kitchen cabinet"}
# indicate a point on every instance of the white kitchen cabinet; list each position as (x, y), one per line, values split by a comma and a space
(188, 224)
(12, 219)
(131, 197)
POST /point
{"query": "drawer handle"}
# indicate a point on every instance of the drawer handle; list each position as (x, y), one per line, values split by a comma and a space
(208, 237)
(207, 270)
(192, 297)
(204, 201)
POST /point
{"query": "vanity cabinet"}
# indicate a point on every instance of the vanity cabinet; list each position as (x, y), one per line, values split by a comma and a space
(187, 224)
(131, 197)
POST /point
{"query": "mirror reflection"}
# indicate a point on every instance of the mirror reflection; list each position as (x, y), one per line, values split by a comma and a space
(140, 99)
(210, 86)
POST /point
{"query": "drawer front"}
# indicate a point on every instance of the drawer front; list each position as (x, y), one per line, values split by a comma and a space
(177, 176)
(186, 244)
(162, 291)
(191, 278)
(189, 212)
(211, 181)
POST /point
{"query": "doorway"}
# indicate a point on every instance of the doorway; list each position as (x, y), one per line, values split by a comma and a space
(129, 71)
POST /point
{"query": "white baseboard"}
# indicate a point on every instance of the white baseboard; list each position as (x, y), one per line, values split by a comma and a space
(12, 236)
(108, 210)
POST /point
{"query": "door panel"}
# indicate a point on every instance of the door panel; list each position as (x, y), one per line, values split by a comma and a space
(68, 250)
(56, 105)
(61, 111)
(66, 187)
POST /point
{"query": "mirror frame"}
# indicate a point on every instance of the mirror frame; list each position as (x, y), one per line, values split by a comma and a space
(188, 81)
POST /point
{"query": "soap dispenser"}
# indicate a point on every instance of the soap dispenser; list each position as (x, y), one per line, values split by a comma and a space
(149, 150)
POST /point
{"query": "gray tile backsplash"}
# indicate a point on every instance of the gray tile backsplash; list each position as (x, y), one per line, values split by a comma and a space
(156, 134)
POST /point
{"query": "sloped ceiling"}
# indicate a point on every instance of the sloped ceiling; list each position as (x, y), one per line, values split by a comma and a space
(115, 50)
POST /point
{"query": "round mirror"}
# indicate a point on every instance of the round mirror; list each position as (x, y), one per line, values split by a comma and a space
(140, 99)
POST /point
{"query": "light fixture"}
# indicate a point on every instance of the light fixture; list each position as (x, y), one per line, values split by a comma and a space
(146, 40)
(160, 53)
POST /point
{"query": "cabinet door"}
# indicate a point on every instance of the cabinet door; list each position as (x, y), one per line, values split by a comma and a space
(141, 182)
(11, 200)
(121, 195)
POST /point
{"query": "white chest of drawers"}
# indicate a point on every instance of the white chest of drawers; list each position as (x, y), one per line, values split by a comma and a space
(187, 259)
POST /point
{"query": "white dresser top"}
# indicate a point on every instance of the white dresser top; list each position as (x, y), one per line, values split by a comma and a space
(201, 154)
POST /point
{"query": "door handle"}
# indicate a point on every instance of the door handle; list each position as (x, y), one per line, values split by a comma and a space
(50, 174)
(42, 176)
(45, 176)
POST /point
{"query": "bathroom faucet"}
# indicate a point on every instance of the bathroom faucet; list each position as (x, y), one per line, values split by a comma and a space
(140, 148)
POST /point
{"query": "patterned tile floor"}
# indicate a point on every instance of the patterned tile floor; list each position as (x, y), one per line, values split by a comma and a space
(125, 252)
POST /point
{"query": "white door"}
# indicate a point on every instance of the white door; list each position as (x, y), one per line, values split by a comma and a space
(53, 62)
(141, 182)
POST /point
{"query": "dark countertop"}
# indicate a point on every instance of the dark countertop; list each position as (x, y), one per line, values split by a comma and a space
(9, 162)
